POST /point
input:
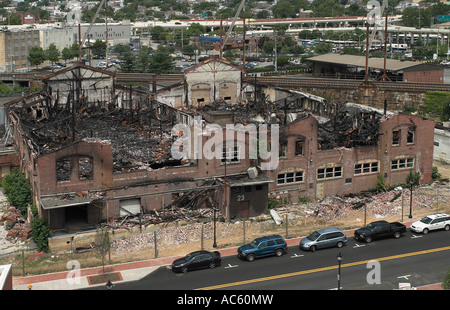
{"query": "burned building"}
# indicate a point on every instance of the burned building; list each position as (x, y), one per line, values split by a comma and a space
(209, 81)
(94, 150)
(346, 153)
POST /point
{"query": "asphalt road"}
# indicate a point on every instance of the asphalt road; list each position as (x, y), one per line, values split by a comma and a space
(414, 258)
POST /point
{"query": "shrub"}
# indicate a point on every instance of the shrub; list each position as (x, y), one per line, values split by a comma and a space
(435, 101)
(304, 199)
(41, 232)
(381, 183)
(435, 174)
(414, 176)
(446, 281)
(18, 190)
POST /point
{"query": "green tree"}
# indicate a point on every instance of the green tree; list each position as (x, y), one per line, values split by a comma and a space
(195, 29)
(128, 61)
(102, 245)
(282, 60)
(381, 183)
(40, 233)
(67, 54)
(99, 48)
(414, 177)
(18, 190)
(283, 9)
(269, 46)
(36, 56)
(263, 14)
(5, 89)
(436, 101)
(52, 53)
(323, 48)
(13, 19)
(280, 29)
(143, 59)
(158, 33)
(161, 61)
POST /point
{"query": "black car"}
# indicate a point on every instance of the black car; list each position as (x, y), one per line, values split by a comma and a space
(197, 260)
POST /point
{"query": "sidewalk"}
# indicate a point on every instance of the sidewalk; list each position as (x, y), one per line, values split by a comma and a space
(128, 272)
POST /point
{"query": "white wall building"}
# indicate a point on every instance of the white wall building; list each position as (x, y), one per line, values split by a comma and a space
(441, 149)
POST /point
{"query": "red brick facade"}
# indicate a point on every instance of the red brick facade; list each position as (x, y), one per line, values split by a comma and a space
(303, 170)
(375, 159)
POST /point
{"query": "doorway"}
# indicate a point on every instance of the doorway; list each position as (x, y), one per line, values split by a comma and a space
(244, 210)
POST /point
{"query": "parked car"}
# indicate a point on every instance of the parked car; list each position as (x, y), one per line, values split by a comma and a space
(324, 238)
(101, 65)
(380, 229)
(432, 222)
(197, 260)
(264, 246)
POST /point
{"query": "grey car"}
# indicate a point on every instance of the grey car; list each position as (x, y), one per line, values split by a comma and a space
(324, 238)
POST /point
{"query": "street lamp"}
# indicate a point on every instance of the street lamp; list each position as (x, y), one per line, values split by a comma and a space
(411, 182)
(109, 285)
(215, 211)
(71, 250)
(339, 258)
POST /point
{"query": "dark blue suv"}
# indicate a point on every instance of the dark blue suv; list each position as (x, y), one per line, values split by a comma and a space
(264, 246)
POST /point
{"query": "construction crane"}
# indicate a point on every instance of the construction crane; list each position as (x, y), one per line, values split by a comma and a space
(92, 22)
(241, 6)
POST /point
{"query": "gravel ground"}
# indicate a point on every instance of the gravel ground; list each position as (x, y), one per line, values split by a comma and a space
(7, 246)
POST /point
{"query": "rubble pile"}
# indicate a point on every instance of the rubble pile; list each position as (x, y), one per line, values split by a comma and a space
(15, 224)
(161, 216)
(381, 205)
(174, 236)
(189, 206)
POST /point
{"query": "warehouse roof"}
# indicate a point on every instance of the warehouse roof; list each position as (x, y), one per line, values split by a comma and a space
(360, 61)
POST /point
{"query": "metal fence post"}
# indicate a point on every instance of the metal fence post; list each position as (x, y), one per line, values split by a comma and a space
(156, 245)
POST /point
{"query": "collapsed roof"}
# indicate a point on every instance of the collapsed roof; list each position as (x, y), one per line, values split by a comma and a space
(139, 128)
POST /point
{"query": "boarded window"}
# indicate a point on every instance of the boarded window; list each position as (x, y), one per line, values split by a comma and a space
(85, 171)
(130, 207)
(63, 170)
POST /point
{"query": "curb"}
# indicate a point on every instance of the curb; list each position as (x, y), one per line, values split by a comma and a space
(149, 266)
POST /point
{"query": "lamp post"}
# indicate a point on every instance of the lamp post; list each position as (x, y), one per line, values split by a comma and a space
(411, 182)
(109, 285)
(339, 258)
(215, 211)
(71, 250)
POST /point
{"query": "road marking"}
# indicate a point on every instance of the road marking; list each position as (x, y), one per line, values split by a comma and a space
(414, 236)
(295, 255)
(298, 273)
(230, 266)
(357, 245)
(406, 277)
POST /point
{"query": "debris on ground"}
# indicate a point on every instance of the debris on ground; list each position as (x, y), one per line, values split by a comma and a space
(15, 225)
